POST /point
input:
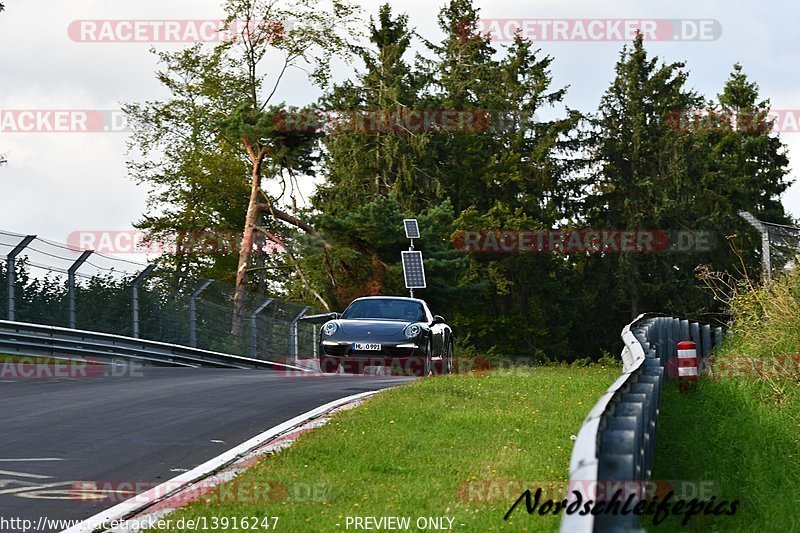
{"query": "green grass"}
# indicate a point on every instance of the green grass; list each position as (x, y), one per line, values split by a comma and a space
(741, 430)
(410, 451)
(739, 436)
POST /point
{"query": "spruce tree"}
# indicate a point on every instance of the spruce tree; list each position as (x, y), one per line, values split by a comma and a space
(639, 178)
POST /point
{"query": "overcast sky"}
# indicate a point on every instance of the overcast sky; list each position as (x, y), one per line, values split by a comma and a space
(57, 183)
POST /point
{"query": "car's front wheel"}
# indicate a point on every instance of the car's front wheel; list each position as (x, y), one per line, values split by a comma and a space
(447, 359)
(328, 365)
(428, 366)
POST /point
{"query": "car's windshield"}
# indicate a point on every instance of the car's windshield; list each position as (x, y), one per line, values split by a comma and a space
(386, 308)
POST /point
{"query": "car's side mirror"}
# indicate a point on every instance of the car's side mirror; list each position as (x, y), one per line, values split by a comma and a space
(334, 316)
(437, 319)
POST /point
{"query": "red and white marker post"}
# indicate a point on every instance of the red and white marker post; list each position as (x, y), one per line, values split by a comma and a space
(687, 364)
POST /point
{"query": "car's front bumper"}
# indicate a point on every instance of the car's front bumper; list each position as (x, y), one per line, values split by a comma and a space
(405, 357)
(392, 349)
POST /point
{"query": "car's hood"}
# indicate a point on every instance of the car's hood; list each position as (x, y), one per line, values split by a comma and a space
(373, 328)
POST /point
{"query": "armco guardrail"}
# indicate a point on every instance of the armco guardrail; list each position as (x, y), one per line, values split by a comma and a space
(37, 340)
(111, 294)
(614, 447)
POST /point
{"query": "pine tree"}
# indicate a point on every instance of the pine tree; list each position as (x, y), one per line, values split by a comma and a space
(369, 159)
(378, 172)
(749, 164)
(639, 174)
(513, 174)
(458, 78)
(745, 169)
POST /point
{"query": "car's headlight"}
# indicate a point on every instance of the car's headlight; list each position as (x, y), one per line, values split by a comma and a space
(329, 328)
(412, 331)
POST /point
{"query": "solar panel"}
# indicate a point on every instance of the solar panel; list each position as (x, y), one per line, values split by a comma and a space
(414, 270)
(412, 228)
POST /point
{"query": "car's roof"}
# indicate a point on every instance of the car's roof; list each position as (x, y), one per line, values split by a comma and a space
(390, 298)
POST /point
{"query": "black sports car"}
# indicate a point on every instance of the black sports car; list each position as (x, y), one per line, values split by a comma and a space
(400, 333)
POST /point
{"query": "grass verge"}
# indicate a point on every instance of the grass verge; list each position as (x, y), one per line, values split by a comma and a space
(731, 438)
(441, 447)
(739, 432)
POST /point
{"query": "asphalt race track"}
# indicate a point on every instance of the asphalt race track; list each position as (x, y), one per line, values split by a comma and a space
(148, 427)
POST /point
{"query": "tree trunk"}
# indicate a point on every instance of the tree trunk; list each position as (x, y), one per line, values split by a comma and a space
(246, 248)
(255, 210)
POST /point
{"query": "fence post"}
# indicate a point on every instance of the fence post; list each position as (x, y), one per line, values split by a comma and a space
(315, 341)
(193, 311)
(676, 336)
(11, 263)
(71, 284)
(766, 261)
(254, 327)
(135, 299)
(293, 343)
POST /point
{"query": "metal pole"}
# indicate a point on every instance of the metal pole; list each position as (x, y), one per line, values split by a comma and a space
(11, 264)
(254, 328)
(71, 284)
(411, 249)
(766, 261)
(193, 311)
(135, 299)
(293, 343)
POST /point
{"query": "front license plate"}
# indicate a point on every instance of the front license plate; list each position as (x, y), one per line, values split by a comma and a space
(367, 346)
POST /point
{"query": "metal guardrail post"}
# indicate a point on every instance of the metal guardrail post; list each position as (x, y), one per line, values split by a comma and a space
(193, 311)
(71, 285)
(718, 336)
(663, 339)
(254, 327)
(11, 263)
(667, 332)
(705, 334)
(135, 299)
(694, 334)
(685, 333)
(676, 334)
(293, 333)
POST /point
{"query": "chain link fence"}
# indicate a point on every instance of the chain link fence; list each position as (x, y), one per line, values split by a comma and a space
(123, 297)
(780, 244)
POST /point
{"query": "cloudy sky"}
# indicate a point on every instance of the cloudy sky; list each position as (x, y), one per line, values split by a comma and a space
(58, 183)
